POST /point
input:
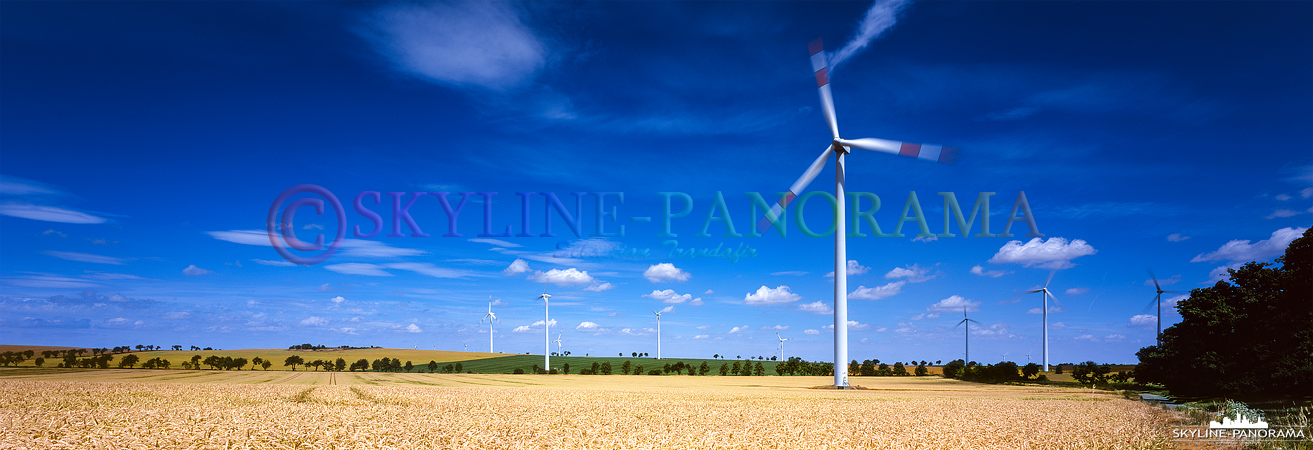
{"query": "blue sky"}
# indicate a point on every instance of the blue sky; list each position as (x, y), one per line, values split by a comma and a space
(143, 143)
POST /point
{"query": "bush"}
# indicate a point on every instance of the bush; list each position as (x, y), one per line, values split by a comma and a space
(519, 371)
(921, 371)
(606, 368)
(654, 372)
(1042, 377)
(954, 369)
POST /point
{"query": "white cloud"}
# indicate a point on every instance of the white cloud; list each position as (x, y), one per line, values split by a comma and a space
(497, 242)
(1052, 309)
(880, 17)
(737, 329)
(811, 332)
(1077, 290)
(247, 237)
(1283, 197)
(521, 329)
(667, 309)
(1142, 320)
(461, 43)
(276, 262)
(193, 271)
(358, 269)
(1281, 213)
(324, 288)
(709, 292)
(314, 321)
(852, 268)
(768, 296)
(1086, 337)
(539, 323)
(816, 307)
(696, 302)
(412, 328)
(954, 303)
(1306, 193)
(879, 292)
(565, 277)
(48, 213)
(703, 327)
(1057, 325)
(925, 239)
(600, 287)
(359, 248)
(1055, 253)
(429, 269)
(776, 328)
(852, 325)
(339, 299)
(669, 296)
(85, 257)
(701, 336)
(977, 270)
(913, 273)
(517, 267)
(665, 272)
(1169, 303)
(1177, 237)
(587, 326)
(1243, 251)
(1114, 337)
(925, 316)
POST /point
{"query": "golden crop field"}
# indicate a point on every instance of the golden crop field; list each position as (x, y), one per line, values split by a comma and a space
(318, 410)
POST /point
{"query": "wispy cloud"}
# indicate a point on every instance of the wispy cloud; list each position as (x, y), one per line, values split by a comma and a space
(359, 269)
(955, 303)
(878, 292)
(85, 257)
(459, 43)
(48, 213)
(879, 18)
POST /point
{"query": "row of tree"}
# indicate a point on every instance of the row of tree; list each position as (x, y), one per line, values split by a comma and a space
(875, 368)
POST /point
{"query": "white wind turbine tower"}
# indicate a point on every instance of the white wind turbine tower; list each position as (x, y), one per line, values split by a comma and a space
(777, 336)
(547, 329)
(1045, 311)
(658, 333)
(840, 148)
(966, 321)
(490, 317)
(558, 344)
(1158, 302)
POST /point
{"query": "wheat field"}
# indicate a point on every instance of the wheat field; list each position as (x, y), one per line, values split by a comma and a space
(133, 409)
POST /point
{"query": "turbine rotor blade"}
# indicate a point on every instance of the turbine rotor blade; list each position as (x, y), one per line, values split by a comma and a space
(928, 152)
(1050, 280)
(820, 67)
(798, 186)
(1155, 280)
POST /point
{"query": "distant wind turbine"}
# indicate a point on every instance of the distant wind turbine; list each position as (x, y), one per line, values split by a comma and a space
(777, 336)
(547, 329)
(1158, 302)
(967, 321)
(1045, 311)
(558, 344)
(490, 317)
(658, 333)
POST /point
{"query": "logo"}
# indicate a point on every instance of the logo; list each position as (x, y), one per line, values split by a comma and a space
(1240, 422)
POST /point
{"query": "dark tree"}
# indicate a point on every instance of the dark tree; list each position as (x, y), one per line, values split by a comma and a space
(1030, 370)
(293, 361)
(1249, 338)
(129, 361)
(624, 368)
(724, 368)
(459, 368)
(338, 365)
(606, 368)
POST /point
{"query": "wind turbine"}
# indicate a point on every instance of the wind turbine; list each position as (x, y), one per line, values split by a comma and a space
(558, 344)
(547, 329)
(1046, 293)
(777, 336)
(658, 333)
(968, 323)
(490, 317)
(840, 148)
(1005, 356)
(1158, 301)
